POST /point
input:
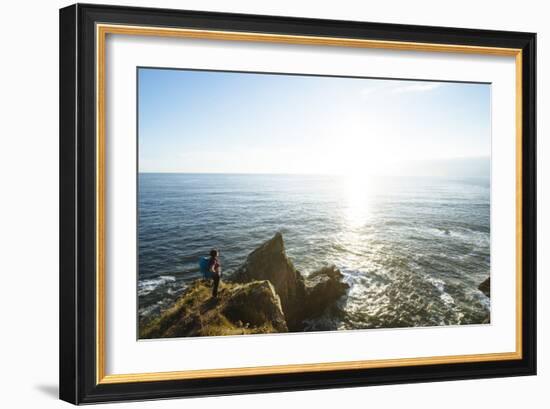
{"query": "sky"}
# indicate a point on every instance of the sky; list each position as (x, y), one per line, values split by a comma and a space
(223, 122)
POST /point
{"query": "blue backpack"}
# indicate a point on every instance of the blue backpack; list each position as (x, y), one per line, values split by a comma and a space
(203, 265)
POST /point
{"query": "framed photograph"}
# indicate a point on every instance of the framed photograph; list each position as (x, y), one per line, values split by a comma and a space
(257, 203)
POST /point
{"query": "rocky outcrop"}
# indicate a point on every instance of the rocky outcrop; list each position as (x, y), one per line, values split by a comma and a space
(256, 305)
(250, 308)
(485, 287)
(269, 262)
(301, 298)
(324, 288)
(265, 295)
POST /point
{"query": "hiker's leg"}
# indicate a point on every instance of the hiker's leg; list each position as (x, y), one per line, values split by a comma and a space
(216, 282)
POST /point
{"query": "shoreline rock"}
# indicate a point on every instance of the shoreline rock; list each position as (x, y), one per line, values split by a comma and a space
(301, 297)
(324, 288)
(485, 287)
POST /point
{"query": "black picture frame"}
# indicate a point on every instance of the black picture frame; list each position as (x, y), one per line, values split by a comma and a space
(78, 312)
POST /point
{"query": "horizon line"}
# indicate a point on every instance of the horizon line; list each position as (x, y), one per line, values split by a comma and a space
(486, 157)
(294, 174)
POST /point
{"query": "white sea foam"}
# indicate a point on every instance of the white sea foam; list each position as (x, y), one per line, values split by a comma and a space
(440, 285)
(147, 286)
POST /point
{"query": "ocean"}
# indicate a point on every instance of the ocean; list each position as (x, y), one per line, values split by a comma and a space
(413, 249)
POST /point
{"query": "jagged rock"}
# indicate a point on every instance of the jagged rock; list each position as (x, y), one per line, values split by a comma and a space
(324, 288)
(485, 287)
(250, 308)
(301, 298)
(269, 262)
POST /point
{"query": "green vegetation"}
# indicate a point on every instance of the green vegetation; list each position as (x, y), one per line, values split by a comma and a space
(251, 308)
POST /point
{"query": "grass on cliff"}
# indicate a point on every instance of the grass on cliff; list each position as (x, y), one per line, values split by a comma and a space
(196, 313)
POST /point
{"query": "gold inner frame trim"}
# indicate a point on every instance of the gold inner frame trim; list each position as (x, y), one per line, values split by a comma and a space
(101, 32)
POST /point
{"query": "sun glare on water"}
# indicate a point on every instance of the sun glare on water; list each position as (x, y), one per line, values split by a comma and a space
(361, 162)
(358, 190)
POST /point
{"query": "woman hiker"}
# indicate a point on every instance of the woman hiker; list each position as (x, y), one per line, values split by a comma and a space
(215, 268)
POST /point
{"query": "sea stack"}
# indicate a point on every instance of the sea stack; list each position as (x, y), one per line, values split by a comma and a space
(301, 298)
(485, 287)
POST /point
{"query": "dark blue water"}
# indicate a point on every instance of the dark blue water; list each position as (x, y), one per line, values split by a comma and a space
(413, 250)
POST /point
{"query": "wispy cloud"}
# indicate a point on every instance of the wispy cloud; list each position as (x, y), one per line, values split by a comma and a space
(399, 88)
(373, 89)
(429, 86)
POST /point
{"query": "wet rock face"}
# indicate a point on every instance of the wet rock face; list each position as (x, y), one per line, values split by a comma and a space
(324, 288)
(485, 287)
